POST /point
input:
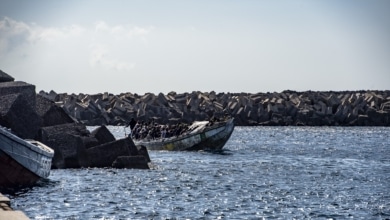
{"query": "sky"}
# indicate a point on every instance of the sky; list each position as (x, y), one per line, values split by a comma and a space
(119, 46)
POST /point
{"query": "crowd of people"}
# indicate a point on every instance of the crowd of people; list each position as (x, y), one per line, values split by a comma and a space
(151, 130)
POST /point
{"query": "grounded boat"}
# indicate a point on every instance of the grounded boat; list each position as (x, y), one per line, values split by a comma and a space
(22, 162)
(200, 137)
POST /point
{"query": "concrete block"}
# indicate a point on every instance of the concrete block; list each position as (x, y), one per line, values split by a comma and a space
(50, 113)
(18, 87)
(329, 110)
(17, 114)
(103, 135)
(212, 96)
(148, 98)
(104, 155)
(333, 101)
(4, 77)
(232, 105)
(385, 106)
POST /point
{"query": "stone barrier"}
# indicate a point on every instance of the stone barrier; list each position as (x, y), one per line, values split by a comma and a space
(46, 117)
(288, 108)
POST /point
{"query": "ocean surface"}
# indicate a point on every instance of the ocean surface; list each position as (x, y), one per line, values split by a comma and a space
(263, 173)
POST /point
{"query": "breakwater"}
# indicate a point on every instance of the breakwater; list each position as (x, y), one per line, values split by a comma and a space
(310, 108)
(31, 116)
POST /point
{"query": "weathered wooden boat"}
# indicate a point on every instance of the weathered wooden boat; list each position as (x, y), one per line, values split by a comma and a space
(22, 162)
(201, 137)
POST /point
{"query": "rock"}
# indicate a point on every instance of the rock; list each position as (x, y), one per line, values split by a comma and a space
(362, 120)
(4, 77)
(32, 116)
(130, 162)
(67, 141)
(133, 149)
(16, 87)
(104, 155)
(248, 109)
(71, 149)
(161, 100)
(67, 149)
(303, 117)
(378, 118)
(90, 141)
(52, 96)
(333, 102)
(50, 113)
(341, 113)
(144, 152)
(385, 106)
(103, 135)
(17, 113)
(148, 98)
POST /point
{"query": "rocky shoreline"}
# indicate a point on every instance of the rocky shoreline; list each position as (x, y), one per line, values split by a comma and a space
(32, 116)
(287, 108)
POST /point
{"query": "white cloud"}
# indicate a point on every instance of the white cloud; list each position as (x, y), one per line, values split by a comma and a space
(122, 30)
(100, 57)
(53, 34)
(12, 34)
(106, 46)
(10, 29)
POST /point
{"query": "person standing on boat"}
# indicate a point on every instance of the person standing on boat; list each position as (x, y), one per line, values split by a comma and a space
(163, 131)
(132, 124)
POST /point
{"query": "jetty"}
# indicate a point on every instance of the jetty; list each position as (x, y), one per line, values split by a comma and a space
(31, 116)
(6, 212)
(287, 108)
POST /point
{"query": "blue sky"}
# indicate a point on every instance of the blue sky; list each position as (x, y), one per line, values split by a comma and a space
(93, 46)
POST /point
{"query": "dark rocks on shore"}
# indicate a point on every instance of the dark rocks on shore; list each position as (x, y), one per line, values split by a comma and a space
(103, 135)
(50, 113)
(4, 77)
(34, 116)
(106, 155)
(15, 87)
(347, 108)
(17, 113)
(67, 141)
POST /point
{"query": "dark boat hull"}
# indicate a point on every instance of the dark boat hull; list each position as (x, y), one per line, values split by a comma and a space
(22, 162)
(13, 174)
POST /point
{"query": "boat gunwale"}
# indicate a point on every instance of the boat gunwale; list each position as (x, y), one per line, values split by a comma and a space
(42, 149)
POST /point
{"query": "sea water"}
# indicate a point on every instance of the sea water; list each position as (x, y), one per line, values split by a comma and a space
(264, 172)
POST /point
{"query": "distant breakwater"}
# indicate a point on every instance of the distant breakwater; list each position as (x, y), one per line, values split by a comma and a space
(287, 108)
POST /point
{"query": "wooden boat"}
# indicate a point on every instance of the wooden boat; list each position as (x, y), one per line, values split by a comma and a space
(200, 137)
(22, 162)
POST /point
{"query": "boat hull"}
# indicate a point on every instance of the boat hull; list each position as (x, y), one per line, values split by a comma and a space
(13, 174)
(211, 138)
(22, 162)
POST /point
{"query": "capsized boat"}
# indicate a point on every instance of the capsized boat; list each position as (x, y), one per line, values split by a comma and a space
(201, 136)
(22, 162)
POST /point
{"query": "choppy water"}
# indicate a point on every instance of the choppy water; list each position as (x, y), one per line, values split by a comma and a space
(265, 172)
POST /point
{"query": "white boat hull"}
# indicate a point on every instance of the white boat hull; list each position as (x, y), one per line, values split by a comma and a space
(210, 138)
(22, 161)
